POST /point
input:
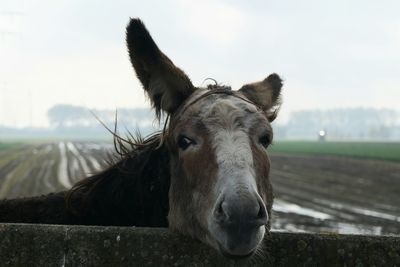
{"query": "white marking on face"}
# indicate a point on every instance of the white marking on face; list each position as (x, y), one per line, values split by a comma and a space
(228, 121)
(231, 144)
(235, 160)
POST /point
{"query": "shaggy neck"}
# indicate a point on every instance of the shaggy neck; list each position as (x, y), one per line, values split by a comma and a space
(132, 192)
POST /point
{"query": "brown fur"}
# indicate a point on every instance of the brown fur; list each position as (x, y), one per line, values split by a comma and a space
(266, 94)
(262, 166)
(194, 174)
(190, 189)
(166, 84)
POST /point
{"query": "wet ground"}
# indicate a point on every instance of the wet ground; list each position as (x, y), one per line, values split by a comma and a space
(312, 193)
(336, 194)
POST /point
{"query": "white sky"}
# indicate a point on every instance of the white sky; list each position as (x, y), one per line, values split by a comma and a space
(330, 53)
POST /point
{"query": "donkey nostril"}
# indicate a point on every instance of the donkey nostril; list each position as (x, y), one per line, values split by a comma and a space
(220, 213)
(262, 212)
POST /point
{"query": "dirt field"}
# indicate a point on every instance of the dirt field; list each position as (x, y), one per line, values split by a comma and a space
(313, 193)
(30, 170)
(339, 194)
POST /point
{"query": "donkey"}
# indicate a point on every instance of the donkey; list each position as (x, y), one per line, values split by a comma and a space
(206, 175)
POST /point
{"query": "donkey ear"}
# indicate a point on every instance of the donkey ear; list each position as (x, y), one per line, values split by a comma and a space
(166, 85)
(265, 94)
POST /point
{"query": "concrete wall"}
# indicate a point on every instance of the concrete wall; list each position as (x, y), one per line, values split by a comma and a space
(59, 245)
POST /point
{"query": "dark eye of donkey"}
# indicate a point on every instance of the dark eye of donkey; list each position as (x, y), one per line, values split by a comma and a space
(184, 142)
(265, 140)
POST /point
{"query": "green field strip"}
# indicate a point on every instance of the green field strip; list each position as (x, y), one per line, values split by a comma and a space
(381, 151)
(8, 145)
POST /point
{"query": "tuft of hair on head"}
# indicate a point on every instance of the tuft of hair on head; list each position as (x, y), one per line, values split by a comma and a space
(216, 85)
(166, 85)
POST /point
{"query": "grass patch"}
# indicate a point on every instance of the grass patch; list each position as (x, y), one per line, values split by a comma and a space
(371, 150)
(7, 145)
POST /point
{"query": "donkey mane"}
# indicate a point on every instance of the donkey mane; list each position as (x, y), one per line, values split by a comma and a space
(132, 191)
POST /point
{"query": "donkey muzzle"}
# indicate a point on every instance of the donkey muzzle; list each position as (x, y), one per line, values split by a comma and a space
(239, 221)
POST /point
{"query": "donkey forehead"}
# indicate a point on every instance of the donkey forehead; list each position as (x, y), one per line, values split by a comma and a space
(223, 111)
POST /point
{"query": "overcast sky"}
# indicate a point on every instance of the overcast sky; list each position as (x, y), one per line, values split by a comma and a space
(330, 53)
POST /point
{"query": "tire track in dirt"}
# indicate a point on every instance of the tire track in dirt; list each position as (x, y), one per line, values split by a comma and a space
(16, 164)
(63, 175)
(83, 166)
(89, 150)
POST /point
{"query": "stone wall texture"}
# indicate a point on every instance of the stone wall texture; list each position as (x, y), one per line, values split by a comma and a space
(60, 245)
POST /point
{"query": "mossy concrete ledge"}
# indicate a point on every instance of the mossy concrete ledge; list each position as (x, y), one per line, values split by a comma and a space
(60, 245)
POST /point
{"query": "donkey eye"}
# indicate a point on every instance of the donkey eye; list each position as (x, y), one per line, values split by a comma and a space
(184, 142)
(265, 140)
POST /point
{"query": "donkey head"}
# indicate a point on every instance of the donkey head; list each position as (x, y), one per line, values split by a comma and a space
(220, 191)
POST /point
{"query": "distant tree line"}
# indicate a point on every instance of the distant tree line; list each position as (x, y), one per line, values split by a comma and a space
(69, 117)
(343, 124)
(340, 124)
